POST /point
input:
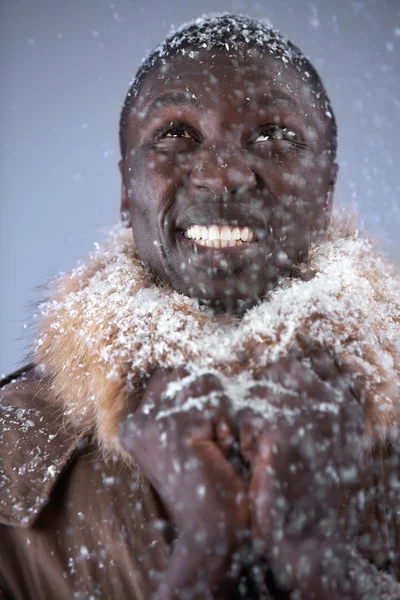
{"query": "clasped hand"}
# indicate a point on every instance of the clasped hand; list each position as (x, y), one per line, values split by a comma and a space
(272, 477)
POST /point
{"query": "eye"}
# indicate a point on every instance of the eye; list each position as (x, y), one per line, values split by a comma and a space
(176, 131)
(276, 132)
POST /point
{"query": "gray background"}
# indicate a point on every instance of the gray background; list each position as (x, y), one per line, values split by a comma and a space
(65, 67)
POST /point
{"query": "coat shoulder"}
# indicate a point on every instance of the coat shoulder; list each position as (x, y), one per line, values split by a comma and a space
(35, 447)
(71, 523)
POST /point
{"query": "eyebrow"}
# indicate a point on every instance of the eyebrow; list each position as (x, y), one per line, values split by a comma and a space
(175, 99)
(172, 98)
(273, 98)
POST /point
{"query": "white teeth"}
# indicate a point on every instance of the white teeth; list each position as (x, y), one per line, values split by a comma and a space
(217, 236)
(197, 232)
(235, 234)
(213, 233)
(204, 233)
(225, 233)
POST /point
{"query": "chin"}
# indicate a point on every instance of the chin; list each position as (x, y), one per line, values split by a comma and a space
(238, 306)
(234, 293)
(234, 303)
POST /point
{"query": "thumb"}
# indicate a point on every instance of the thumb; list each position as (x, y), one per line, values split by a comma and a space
(266, 515)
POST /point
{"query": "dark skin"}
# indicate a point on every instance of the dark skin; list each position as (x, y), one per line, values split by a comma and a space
(209, 154)
(184, 456)
(279, 489)
(247, 147)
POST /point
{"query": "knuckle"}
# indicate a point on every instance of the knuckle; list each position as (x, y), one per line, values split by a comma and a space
(208, 382)
(128, 432)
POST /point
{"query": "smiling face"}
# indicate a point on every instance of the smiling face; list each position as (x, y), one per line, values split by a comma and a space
(227, 175)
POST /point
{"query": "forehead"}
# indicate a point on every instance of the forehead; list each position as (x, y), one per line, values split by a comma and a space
(222, 72)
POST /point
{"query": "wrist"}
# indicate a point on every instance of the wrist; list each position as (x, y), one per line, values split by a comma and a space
(321, 569)
(199, 568)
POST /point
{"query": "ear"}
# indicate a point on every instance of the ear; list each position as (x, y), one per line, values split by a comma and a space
(331, 190)
(334, 174)
(124, 207)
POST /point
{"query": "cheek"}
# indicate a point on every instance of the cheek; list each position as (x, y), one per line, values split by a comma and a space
(158, 174)
(151, 192)
(143, 193)
(300, 212)
(143, 184)
(299, 173)
(304, 185)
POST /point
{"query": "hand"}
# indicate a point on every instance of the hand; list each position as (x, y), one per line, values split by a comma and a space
(303, 455)
(176, 436)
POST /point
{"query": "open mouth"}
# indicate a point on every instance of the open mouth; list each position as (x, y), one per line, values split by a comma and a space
(220, 236)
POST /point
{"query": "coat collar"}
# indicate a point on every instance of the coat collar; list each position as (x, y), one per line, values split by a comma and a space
(107, 325)
(35, 448)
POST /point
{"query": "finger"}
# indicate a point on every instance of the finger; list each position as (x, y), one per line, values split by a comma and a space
(206, 418)
(227, 439)
(225, 480)
(127, 434)
(167, 397)
(204, 384)
(143, 441)
(167, 390)
(294, 376)
(250, 425)
(333, 373)
(148, 448)
(332, 370)
(326, 366)
(263, 514)
(285, 382)
(314, 393)
(224, 435)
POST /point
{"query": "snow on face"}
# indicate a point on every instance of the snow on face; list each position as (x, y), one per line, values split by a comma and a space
(233, 33)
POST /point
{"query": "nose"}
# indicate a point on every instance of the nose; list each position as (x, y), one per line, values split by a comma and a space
(223, 170)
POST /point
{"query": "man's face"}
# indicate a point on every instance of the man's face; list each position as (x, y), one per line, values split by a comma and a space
(227, 176)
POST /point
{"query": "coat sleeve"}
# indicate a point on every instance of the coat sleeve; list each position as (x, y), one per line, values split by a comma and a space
(3, 595)
(367, 582)
(374, 571)
(347, 575)
(373, 568)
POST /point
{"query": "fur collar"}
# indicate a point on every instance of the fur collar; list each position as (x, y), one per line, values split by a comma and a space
(107, 325)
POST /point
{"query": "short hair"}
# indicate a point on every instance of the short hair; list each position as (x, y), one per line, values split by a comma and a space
(229, 32)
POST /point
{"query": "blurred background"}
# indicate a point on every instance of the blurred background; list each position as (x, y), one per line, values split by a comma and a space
(65, 68)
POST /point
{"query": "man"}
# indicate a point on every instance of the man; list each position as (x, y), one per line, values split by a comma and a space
(212, 406)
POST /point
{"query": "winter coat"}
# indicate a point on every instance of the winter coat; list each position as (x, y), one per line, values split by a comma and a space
(77, 518)
(72, 525)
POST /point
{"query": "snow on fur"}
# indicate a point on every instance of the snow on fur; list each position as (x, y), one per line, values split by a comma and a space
(107, 325)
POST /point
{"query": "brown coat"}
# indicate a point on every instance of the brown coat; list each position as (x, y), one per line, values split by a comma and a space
(72, 526)
(75, 526)
(76, 518)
